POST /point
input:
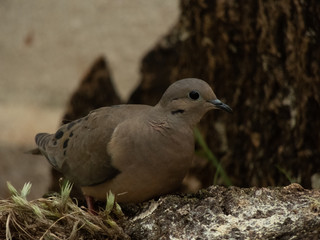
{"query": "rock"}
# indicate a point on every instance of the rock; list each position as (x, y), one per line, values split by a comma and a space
(290, 212)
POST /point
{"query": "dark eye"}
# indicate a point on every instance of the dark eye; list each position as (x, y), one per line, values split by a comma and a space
(194, 95)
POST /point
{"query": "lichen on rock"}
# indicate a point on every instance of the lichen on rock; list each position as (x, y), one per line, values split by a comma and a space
(224, 213)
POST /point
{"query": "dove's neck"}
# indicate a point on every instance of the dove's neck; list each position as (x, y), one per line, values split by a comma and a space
(176, 118)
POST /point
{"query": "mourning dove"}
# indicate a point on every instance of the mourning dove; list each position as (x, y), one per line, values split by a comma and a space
(136, 151)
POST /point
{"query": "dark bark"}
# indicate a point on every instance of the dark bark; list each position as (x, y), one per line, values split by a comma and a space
(95, 90)
(262, 58)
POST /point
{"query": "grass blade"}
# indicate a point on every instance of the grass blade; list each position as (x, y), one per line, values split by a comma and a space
(211, 158)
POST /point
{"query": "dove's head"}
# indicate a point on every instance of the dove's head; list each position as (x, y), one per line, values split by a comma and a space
(190, 99)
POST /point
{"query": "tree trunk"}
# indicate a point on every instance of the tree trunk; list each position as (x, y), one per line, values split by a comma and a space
(262, 58)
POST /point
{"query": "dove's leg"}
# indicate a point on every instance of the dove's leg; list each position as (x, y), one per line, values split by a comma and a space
(90, 202)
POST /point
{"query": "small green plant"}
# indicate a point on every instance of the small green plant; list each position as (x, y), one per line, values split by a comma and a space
(288, 175)
(212, 158)
(112, 207)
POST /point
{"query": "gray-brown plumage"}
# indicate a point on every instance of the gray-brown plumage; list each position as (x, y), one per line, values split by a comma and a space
(136, 151)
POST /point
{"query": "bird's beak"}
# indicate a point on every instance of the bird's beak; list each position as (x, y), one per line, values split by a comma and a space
(220, 105)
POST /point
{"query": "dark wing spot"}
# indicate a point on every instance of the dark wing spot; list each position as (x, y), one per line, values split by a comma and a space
(64, 153)
(59, 134)
(65, 143)
(177, 111)
(71, 134)
(70, 125)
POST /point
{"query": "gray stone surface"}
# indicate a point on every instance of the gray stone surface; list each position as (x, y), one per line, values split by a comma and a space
(230, 213)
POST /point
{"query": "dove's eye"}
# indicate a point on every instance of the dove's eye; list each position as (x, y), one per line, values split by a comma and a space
(194, 95)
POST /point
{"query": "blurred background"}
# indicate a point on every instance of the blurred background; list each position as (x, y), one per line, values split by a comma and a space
(45, 49)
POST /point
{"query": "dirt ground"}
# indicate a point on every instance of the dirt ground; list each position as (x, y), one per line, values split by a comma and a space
(45, 48)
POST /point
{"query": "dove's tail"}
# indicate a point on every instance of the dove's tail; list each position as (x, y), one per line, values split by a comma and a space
(41, 140)
(35, 151)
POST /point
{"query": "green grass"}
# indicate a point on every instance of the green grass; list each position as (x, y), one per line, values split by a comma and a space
(288, 175)
(220, 172)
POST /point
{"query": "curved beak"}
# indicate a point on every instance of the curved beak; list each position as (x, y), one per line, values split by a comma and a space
(220, 105)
